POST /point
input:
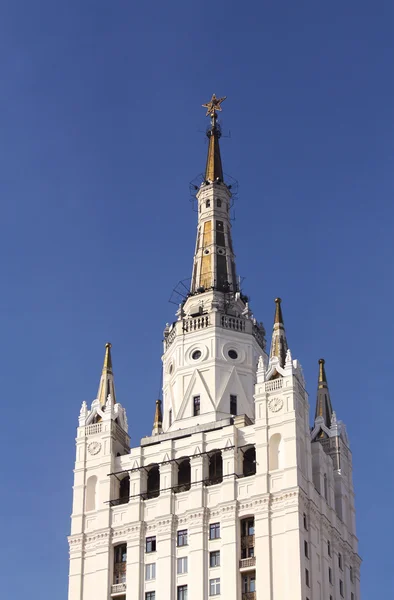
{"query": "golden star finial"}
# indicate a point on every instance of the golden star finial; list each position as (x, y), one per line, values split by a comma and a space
(214, 105)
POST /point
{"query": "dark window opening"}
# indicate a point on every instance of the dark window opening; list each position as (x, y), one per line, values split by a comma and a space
(184, 476)
(196, 406)
(233, 403)
(124, 490)
(220, 241)
(307, 578)
(214, 559)
(153, 483)
(214, 531)
(120, 559)
(329, 547)
(306, 549)
(249, 584)
(305, 523)
(181, 539)
(208, 203)
(150, 544)
(181, 592)
(170, 417)
(249, 462)
(215, 468)
(219, 202)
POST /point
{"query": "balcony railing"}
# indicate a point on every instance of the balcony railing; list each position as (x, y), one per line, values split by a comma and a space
(118, 588)
(245, 563)
(249, 596)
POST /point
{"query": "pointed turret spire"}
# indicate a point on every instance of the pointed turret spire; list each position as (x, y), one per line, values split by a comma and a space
(157, 423)
(323, 401)
(214, 169)
(279, 345)
(107, 378)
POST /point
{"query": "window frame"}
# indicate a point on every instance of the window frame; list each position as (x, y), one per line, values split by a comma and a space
(214, 554)
(182, 560)
(181, 592)
(214, 528)
(152, 569)
(233, 399)
(196, 405)
(214, 584)
(151, 539)
(182, 538)
(150, 595)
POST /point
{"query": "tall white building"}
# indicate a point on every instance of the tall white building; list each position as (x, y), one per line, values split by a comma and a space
(233, 494)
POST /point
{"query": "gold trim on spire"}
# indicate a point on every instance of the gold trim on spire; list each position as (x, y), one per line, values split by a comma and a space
(278, 312)
(322, 382)
(107, 366)
(214, 169)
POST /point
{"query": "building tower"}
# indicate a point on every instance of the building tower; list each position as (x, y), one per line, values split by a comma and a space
(232, 495)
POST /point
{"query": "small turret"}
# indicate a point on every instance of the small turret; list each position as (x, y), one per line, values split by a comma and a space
(158, 421)
(106, 385)
(279, 345)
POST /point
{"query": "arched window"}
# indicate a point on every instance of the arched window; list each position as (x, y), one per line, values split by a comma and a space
(275, 452)
(215, 468)
(184, 475)
(249, 462)
(153, 483)
(124, 490)
(91, 492)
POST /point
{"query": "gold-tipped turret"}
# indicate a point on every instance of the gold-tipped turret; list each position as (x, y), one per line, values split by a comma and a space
(323, 401)
(214, 169)
(106, 386)
(158, 421)
(279, 345)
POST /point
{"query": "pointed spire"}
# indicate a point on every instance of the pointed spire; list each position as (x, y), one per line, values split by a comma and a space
(323, 401)
(106, 386)
(214, 169)
(279, 345)
(157, 423)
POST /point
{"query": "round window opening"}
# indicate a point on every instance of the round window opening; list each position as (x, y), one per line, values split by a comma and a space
(233, 354)
(196, 354)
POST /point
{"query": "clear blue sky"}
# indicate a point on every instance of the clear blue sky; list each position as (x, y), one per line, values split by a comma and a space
(101, 132)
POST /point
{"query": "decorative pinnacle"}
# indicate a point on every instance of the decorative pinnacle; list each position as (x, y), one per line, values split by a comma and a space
(107, 366)
(278, 311)
(214, 105)
(322, 373)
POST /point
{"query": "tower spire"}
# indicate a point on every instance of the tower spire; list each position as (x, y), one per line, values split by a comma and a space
(279, 345)
(106, 385)
(214, 169)
(323, 401)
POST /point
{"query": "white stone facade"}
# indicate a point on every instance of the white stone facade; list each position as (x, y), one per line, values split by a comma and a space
(234, 496)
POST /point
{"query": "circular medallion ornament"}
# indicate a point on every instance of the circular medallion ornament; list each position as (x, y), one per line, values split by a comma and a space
(275, 404)
(94, 447)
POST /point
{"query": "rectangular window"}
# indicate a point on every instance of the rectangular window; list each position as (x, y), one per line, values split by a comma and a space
(214, 531)
(220, 233)
(351, 596)
(214, 587)
(247, 527)
(150, 544)
(340, 561)
(341, 587)
(181, 592)
(181, 565)
(150, 595)
(196, 406)
(329, 575)
(306, 549)
(305, 523)
(181, 538)
(214, 559)
(329, 547)
(233, 404)
(351, 574)
(219, 202)
(150, 571)
(249, 583)
(170, 417)
(307, 577)
(207, 203)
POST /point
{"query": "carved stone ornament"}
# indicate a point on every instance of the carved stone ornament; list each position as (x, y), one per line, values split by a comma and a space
(94, 447)
(275, 404)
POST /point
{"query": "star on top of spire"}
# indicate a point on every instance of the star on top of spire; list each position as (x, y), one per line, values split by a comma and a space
(214, 105)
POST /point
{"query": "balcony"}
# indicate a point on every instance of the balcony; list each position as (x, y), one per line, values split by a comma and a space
(118, 588)
(249, 596)
(247, 563)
